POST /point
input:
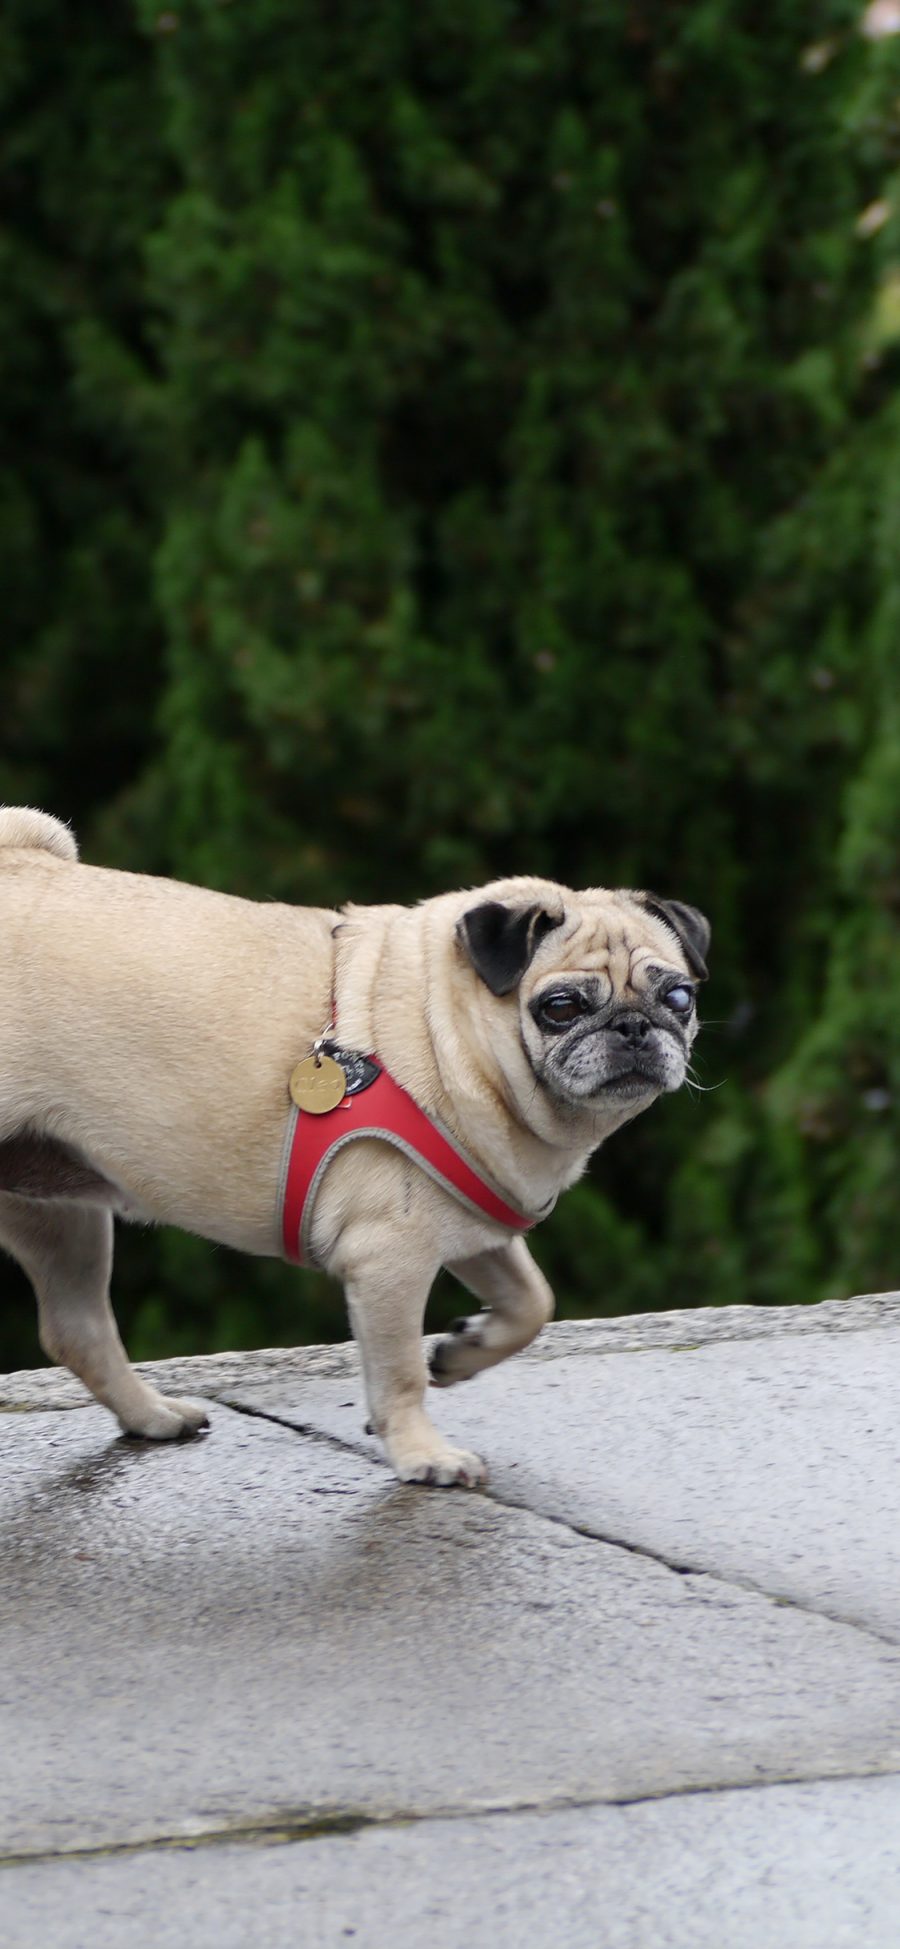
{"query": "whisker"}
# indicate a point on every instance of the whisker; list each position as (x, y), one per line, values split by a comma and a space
(693, 1083)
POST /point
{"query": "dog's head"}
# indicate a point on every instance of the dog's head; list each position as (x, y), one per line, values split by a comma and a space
(600, 988)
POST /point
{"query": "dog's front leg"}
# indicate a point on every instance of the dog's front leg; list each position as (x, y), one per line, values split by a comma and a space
(518, 1302)
(386, 1301)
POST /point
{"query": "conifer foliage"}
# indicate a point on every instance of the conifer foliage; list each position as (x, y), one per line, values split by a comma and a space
(450, 440)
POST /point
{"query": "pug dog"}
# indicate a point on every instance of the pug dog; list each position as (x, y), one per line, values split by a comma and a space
(150, 1032)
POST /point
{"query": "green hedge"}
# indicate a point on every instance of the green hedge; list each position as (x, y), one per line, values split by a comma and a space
(445, 440)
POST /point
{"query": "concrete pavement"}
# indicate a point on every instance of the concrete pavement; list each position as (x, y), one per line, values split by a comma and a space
(645, 1691)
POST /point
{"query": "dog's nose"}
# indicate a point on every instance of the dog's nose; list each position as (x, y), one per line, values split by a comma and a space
(632, 1028)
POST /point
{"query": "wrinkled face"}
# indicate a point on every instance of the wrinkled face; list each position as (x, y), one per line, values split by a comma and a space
(617, 1033)
(606, 995)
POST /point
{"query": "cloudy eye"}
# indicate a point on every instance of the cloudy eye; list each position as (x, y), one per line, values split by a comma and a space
(557, 1011)
(680, 1000)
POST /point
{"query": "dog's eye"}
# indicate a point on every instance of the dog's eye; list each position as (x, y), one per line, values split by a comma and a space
(681, 1000)
(558, 1010)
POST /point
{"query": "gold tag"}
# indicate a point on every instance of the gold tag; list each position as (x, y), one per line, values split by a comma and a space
(318, 1086)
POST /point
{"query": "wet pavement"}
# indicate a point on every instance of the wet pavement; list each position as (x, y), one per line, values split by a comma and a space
(645, 1691)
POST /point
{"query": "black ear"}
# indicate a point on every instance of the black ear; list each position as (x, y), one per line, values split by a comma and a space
(500, 941)
(689, 924)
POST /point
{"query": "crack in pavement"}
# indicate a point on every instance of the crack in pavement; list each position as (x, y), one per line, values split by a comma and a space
(319, 1823)
(282, 1827)
(678, 1568)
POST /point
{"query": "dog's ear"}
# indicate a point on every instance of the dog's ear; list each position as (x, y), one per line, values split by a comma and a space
(500, 941)
(689, 924)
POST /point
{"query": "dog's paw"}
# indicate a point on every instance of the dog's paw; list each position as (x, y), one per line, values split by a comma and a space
(439, 1466)
(168, 1419)
(460, 1354)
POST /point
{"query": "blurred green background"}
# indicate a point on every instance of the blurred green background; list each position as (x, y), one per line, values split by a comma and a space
(453, 439)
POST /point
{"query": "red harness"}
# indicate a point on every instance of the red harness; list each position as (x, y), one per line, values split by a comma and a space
(384, 1110)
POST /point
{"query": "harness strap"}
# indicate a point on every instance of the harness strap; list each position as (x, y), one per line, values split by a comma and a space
(386, 1111)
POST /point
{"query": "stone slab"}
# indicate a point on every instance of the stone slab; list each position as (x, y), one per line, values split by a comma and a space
(262, 1628)
(801, 1867)
(769, 1461)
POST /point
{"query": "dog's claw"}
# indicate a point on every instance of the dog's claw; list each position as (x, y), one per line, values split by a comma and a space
(456, 1356)
(168, 1419)
(456, 1468)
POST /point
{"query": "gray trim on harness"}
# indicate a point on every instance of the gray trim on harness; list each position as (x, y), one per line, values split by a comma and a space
(499, 1190)
(415, 1157)
(284, 1167)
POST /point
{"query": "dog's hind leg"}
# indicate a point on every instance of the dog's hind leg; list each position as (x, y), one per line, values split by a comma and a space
(66, 1251)
(518, 1301)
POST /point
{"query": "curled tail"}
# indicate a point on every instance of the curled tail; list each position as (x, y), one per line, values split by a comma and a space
(22, 825)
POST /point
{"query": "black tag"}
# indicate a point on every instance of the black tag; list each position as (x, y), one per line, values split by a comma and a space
(359, 1070)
